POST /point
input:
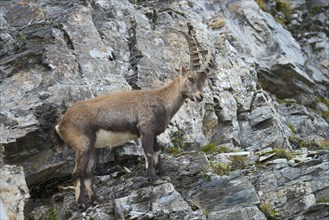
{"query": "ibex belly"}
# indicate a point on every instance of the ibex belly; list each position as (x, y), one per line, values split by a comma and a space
(112, 139)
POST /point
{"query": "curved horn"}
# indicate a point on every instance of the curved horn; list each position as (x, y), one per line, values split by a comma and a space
(195, 63)
(205, 67)
(195, 60)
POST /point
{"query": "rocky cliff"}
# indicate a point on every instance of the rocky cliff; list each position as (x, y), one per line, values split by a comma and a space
(255, 148)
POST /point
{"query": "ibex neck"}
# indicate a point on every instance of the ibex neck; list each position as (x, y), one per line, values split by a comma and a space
(172, 96)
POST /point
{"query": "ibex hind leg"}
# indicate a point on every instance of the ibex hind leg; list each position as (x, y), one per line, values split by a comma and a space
(88, 181)
(78, 180)
(82, 173)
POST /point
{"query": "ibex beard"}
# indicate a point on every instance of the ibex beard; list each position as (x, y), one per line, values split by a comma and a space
(112, 120)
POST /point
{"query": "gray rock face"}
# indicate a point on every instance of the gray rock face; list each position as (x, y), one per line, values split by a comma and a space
(241, 193)
(251, 212)
(13, 191)
(151, 202)
(293, 190)
(268, 89)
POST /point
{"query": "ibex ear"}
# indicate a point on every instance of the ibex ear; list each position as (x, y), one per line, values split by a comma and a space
(183, 71)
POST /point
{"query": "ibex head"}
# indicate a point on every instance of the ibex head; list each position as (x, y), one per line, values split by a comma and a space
(193, 79)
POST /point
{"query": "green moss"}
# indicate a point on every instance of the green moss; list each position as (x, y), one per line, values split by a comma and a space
(205, 212)
(280, 101)
(51, 214)
(285, 8)
(322, 200)
(224, 149)
(178, 144)
(315, 10)
(292, 128)
(279, 153)
(315, 145)
(279, 20)
(269, 212)
(263, 5)
(209, 149)
(281, 6)
(322, 99)
(325, 115)
(285, 101)
(238, 162)
(282, 153)
(205, 175)
(213, 148)
(176, 139)
(21, 38)
(220, 168)
(325, 101)
(175, 150)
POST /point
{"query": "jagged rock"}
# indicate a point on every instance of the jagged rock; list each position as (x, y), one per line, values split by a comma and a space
(261, 121)
(317, 211)
(285, 79)
(250, 212)
(187, 170)
(290, 190)
(265, 157)
(277, 163)
(215, 196)
(13, 191)
(321, 3)
(303, 121)
(150, 202)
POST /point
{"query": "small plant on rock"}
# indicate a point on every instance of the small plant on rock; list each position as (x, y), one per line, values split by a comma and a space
(213, 148)
(263, 5)
(281, 7)
(52, 214)
(315, 145)
(322, 200)
(238, 162)
(269, 212)
(21, 38)
(175, 150)
(292, 128)
(178, 144)
(325, 115)
(283, 153)
(285, 8)
(220, 168)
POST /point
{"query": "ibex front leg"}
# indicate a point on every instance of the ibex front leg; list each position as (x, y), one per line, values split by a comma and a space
(158, 160)
(147, 144)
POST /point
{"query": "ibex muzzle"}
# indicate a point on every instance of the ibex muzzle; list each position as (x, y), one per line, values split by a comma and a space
(112, 120)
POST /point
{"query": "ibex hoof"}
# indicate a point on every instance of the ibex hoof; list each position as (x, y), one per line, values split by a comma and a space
(166, 178)
(95, 202)
(83, 206)
(156, 181)
(82, 202)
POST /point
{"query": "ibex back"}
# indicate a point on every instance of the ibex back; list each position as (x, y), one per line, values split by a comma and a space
(112, 120)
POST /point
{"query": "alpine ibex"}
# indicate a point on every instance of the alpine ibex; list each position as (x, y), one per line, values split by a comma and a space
(112, 120)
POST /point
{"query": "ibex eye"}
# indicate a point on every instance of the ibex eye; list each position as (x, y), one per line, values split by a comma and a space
(191, 79)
